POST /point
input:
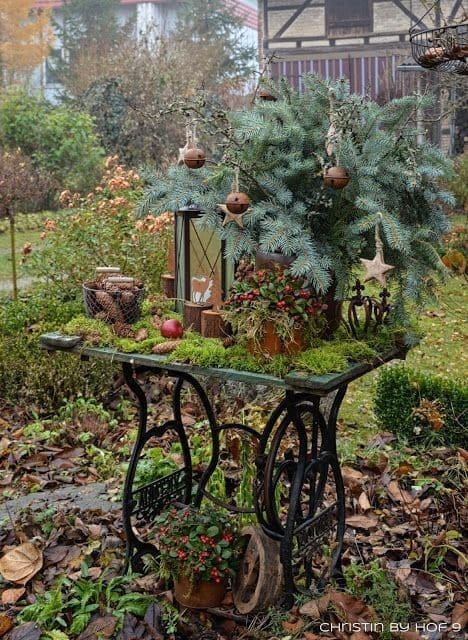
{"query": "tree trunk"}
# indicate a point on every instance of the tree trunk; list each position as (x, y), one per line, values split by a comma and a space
(212, 324)
(14, 275)
(192, 315)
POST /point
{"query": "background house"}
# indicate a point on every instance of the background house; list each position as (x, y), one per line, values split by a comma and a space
(362, 40)
(159, 16)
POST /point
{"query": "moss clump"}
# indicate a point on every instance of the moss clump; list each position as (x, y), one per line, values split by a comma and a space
(208, 352)
(355, 350)
(93, 332)
(237, 357)
(321, 360)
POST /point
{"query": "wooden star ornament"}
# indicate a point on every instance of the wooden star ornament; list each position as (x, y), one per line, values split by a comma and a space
(376, 269)
(232, 217)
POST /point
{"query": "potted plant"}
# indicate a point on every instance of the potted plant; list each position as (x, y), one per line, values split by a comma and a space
(199, 551)
(272, 310)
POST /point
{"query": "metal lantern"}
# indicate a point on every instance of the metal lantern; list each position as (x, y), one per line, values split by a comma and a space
(202, 273)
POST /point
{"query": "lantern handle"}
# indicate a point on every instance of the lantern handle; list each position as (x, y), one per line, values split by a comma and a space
(420, 21)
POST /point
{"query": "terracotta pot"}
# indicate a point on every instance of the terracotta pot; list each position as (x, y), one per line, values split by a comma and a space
(269, 260)
(297, 343)
(199, 595)
(270, 344)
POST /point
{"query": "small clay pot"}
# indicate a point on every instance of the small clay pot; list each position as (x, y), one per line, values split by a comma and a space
(199, 595)
(297, 343)
(237, 202)
(336, 178)
(270, 260)
(194, 158)
(270, 344)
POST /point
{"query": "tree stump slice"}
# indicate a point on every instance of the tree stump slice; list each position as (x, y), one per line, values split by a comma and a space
(192, 315)
(259, 579)
(212, 325)
(168, 285)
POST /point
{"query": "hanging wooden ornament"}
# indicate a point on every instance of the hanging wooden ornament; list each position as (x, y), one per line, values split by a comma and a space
(336, 177)
(237, 204)
(376, 269)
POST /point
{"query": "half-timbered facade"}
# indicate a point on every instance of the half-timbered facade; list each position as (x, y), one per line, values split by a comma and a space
(362, 40)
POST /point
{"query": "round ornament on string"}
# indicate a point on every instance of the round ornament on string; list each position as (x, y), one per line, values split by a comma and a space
(191, 154)
(237, 204)
(336, 177)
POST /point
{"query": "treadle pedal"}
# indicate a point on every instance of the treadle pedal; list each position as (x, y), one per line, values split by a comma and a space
(59, 340)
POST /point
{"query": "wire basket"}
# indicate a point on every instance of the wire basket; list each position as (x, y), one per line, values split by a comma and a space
(443, 49)
(112, 306)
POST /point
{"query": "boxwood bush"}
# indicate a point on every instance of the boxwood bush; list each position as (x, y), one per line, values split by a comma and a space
(422, 408)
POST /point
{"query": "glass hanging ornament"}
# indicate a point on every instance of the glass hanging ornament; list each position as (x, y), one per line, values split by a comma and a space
(377, 269)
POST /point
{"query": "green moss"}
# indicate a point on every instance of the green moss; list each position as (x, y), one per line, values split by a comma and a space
(355, 350)
(93, 331)
(321, 360)
(209, 353)
(237, 357)
(279, 365)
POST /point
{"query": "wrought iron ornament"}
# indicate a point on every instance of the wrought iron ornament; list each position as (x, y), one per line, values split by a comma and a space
(375, 311)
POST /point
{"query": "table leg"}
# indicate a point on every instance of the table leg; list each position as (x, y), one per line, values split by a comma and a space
(299, 490)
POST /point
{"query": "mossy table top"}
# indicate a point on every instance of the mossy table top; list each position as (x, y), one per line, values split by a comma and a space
(295, 380)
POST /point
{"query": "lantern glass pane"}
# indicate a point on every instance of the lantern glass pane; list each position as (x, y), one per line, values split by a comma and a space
(205, 265)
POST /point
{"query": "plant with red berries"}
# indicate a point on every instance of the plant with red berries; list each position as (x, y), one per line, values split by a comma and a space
(271, 294)
(203, 545)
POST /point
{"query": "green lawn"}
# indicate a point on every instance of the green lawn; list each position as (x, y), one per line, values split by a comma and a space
(5, 260)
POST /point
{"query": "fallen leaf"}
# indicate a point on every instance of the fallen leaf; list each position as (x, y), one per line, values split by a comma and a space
(362, 522)
(21, 563)
(102, 627)
(27, 631)
(398, 494)
(153, 619)
(351, 609)
(293, 626)
(460, 614)
(363, 502)
(314, 608)
(6, 623)
(132, 628)
(11, 596)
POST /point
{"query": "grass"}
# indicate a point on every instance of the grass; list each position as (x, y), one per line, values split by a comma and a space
(441, 351)
(5, 259)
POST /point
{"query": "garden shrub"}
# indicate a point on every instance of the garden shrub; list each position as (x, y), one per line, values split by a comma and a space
(422, 408)
(100, 230)
(59, 140)
(28, 374)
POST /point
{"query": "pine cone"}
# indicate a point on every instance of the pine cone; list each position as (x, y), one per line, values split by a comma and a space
(123, 330)
(156, 322)
(166, 347)
(229, 341)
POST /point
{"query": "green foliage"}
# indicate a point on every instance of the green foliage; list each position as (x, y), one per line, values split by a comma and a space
(101, 231)
(198, 544)
(154, 464)
(373, 585)
(459, 182)
(71, 604)
(59, 140)
(281, 150)
(422, 408)
(204, 352)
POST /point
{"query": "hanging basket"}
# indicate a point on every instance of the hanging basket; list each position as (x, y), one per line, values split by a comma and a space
(443, 49)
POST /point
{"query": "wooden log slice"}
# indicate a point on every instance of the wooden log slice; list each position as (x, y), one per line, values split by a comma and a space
(168, 285)
(192, 315)
(259, 579)
(212, 325)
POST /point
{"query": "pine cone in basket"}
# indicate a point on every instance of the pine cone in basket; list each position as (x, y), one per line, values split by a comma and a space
(123, 330)
(166, 347)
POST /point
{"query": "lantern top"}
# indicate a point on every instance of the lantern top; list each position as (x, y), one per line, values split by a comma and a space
(190, 208)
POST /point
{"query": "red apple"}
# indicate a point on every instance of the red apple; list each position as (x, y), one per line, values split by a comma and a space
(172, 329)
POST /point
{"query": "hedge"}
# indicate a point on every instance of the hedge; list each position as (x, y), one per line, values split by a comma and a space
(422, 408)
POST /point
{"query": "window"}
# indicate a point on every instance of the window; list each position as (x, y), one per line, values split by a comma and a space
(55, 56)
(348, 17)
